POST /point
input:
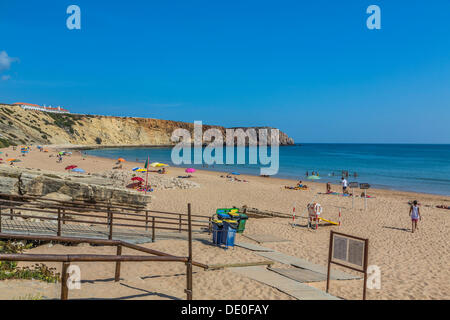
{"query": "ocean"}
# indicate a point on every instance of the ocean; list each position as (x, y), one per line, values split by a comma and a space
(407, 167)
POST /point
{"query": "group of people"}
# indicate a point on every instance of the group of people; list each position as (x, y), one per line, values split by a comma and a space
(313, 173)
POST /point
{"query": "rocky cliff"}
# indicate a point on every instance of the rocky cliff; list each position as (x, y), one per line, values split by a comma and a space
(18, 126)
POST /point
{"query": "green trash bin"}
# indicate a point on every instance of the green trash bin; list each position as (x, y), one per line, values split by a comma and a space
(242, 220)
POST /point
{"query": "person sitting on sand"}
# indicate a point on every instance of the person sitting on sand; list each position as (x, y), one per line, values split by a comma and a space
(414, 213)
(329, 187)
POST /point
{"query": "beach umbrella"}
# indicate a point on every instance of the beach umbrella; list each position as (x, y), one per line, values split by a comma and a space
(313, 178)
(11, 159)
(16, 160)
(236, 173)
(71, 167)
(189, 170)
(121, 160)
(162, 165)
(135, 169)
(157, 165)
(79, 170)
(137, 179)
(141, 170)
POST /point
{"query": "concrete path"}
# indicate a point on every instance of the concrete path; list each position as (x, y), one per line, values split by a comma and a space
(304, 264)
(300, 275)
(291, 287)
(252, 247)
(260, 238)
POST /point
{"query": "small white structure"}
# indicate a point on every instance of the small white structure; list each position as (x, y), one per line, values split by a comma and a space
(35, 107)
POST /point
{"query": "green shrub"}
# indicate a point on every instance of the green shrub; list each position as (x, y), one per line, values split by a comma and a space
(10, 270)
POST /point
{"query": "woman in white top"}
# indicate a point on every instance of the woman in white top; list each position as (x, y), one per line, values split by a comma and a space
(414, 213)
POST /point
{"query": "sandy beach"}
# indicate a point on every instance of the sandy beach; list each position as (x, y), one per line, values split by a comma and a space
(413, 265)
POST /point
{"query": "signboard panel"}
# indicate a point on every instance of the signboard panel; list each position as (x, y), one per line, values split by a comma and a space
(353, 184)
(364, 185)
(350, 252)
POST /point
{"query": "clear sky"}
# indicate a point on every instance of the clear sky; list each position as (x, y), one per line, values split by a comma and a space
(311, 68)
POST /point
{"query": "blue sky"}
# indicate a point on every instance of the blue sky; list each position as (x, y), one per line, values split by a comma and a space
(310, 68)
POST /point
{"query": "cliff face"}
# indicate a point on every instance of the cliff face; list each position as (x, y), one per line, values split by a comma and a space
(34, 127)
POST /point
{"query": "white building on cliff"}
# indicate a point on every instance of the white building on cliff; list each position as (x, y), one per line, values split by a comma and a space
(35, 107)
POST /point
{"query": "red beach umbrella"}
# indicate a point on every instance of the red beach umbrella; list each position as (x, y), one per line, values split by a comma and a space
(71, 167)
(137, 179)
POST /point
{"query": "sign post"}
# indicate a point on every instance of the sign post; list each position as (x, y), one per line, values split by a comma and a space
(365, 186)
(353, 185)
(350, 252)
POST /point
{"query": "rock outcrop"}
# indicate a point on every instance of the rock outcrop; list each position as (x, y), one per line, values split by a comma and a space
(21, 126)
(17, 181)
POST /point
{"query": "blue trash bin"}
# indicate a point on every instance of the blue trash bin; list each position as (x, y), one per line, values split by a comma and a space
(229, 232)
(217, 231)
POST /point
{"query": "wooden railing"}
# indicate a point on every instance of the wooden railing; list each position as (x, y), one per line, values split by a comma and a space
(71, 212)
(158, 256)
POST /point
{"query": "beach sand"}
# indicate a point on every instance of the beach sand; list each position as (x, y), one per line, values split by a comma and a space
(413, 266)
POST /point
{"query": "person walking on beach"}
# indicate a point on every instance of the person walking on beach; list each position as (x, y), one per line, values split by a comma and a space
(414, 213)
(344, 185)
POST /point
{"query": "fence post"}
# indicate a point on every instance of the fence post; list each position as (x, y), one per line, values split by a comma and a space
(146, 220)
(11, 211)
(179, 223)
(64, 277)
(64, 216)
(209, 225)
(58, 233)
(119, 252)
(0, 218)
(153, 229)
(189, 263)
(110, 218)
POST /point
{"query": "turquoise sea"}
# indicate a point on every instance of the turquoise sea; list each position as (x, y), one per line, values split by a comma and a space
(408, 167)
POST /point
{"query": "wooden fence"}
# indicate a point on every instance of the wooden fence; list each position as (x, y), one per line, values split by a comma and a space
(65, 211)
(158, 256)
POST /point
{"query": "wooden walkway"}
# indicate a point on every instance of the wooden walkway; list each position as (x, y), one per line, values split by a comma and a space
(291, 287)
(92, 231)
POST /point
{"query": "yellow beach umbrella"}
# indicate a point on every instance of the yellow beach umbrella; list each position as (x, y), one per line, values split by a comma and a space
(141, 170)
(157, 164)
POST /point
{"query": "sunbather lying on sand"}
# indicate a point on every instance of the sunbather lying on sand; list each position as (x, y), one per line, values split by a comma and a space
(299, 186)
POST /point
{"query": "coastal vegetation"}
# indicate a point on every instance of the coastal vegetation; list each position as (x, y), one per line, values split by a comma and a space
(10, 269)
